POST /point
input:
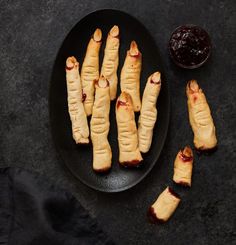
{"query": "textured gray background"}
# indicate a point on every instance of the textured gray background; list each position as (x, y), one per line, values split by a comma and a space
(31, 33)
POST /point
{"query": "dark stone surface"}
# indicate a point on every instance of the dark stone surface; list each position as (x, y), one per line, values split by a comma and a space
(31, 33)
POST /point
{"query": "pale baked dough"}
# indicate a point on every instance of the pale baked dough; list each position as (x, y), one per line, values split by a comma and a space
(183, 167)
(100, 125)
(148, 113)
(127, 132)
(111, 60)
(165, 205)
(200, 117)
(130, 75)
(90, 70)
(77, 114)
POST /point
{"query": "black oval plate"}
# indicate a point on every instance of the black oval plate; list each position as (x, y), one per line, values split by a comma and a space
(77, 158)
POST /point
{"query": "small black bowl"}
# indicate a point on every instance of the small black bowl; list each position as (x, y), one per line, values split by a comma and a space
(189, 46)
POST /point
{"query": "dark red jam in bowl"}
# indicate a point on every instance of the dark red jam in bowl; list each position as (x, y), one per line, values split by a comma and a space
(190, 46)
